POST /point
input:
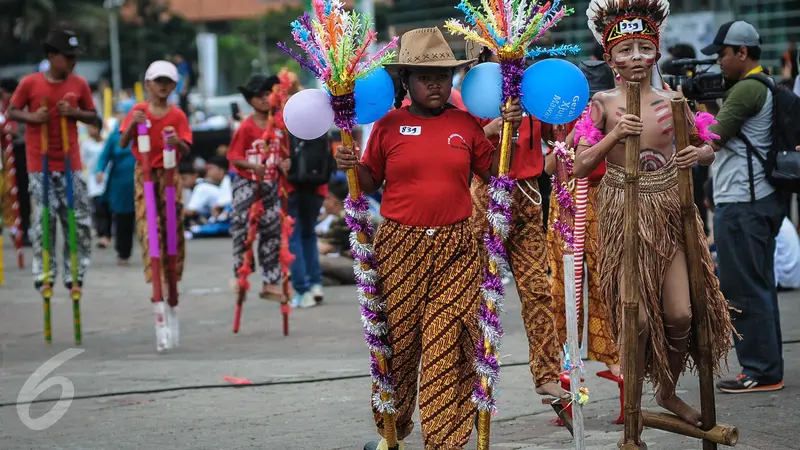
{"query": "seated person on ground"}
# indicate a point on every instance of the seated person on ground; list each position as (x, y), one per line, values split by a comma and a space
(334, 237)
(210, 195)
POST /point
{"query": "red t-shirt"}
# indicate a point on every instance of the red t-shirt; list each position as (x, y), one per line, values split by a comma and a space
(426, 163)
(528, 158)
(174, 118)
(30, 93)
(242, 141)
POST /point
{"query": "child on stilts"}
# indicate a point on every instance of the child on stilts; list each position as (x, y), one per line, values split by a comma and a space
(526, 243)
(48, 97)
(629, 32)
(160, 116)
(250, 186)
(429, 271)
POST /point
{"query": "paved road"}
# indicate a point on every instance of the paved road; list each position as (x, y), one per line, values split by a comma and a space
(312, 388)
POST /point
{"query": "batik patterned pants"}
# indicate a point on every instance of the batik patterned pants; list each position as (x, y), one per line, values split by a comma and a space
(158, 176)
(269, 227)
(528, 256)
(57, 195)
(430, 279)
(601, 343)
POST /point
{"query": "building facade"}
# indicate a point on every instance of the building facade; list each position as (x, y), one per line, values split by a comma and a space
(695, 21)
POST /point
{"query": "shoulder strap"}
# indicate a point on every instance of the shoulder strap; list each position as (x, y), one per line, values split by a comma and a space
(764, 80)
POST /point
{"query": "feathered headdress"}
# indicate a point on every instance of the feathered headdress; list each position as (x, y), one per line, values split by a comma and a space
(613, 21)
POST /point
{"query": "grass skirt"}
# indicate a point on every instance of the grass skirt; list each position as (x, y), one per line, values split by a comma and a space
(660, 237)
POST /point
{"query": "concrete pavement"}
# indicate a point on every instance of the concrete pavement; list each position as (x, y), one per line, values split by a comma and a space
(312, 390)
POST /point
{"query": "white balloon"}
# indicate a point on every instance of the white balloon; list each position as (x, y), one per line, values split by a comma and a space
(308, 114)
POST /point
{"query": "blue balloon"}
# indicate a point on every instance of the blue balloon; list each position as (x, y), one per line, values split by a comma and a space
(482, 90)
(555, 91)
(374, 96)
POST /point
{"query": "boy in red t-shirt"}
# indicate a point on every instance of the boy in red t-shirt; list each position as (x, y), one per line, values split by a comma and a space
(250, 185)
(43, 98)
(160, 80)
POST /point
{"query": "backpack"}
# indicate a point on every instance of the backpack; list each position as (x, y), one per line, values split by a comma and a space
(312, 162)
(599, 76)
(782, 163)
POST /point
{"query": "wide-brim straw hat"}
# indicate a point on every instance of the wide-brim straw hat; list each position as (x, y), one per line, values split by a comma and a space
(426, 47)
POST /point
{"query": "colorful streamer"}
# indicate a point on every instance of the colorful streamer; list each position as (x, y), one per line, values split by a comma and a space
(336, 43)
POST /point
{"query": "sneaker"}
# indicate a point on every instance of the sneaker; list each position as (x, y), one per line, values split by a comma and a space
(307, 300)
(316, 292)
(296, 300)
(744, 383)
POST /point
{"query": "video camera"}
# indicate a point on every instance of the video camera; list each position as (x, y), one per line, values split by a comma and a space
(699, 85)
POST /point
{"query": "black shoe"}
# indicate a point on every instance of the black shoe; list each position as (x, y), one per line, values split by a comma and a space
(744, 383)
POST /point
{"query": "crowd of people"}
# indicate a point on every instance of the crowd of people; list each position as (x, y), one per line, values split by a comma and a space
(430, 192)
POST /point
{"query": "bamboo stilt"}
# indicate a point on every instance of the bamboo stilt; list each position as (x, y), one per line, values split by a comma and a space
(700, 328)
(718, 434)
(630, 288)
(389, 424)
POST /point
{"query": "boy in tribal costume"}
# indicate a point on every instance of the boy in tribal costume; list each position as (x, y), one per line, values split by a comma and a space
(629, 32)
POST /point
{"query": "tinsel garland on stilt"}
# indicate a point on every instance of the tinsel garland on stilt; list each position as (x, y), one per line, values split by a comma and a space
(487, 362)
(373, 306)
(254, 214)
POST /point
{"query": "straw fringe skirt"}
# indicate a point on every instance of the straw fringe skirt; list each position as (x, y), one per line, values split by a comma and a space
(660, 237)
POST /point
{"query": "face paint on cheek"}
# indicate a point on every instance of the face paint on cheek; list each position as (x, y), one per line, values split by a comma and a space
(622, 61)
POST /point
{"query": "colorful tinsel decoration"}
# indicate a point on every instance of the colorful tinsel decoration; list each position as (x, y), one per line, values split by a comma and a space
(568, 365)
(583, 396)
(563, 194)
(702, 121)
(508, 28)
(336, 43)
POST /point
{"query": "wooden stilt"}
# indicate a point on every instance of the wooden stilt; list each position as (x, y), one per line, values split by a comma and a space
(630, 288)
(718, 434)
(700, 327)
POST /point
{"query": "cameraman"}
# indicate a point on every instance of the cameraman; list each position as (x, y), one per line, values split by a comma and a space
(748, 212)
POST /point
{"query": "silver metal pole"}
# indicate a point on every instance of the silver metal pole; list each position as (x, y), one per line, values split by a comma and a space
(116, 71)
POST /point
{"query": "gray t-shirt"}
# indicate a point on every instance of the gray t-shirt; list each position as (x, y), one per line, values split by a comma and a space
(747, 107)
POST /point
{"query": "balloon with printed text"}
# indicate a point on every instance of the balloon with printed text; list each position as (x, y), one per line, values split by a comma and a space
(308, 114)
(555, 91)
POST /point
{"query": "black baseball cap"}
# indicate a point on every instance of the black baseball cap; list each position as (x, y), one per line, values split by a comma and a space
(737, 33)
(64, 42)
(258, 84)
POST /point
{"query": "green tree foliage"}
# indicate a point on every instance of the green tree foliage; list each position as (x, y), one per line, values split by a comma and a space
(152, 35)
(243, 42)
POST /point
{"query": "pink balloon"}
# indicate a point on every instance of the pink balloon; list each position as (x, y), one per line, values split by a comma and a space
(308, 114)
